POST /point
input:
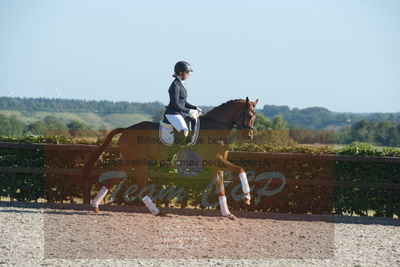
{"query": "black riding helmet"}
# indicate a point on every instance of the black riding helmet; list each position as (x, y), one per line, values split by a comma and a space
(182, 66)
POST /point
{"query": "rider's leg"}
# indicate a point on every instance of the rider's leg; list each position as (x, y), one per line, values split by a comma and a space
(176, 146)
(180, 138)
(178, 122)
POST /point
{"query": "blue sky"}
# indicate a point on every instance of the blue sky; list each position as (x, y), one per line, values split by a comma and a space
(342, 55)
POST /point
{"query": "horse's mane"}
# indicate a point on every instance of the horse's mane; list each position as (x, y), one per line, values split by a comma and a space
(224, 104)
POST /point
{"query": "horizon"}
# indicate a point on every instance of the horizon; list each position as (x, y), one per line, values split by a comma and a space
(340, 55)
(259, 107)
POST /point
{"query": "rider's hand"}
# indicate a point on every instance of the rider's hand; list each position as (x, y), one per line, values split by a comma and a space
(194, 114)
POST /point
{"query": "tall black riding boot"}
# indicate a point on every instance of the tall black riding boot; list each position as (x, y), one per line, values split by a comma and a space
(179, 142)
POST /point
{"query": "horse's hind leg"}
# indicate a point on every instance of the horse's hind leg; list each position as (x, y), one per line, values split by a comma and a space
(108, 179)
(221, 196)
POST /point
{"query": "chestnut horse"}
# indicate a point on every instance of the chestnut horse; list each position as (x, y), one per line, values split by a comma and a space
(217, 125)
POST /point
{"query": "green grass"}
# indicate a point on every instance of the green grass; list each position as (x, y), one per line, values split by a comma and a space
(123, 120)
(95, 120)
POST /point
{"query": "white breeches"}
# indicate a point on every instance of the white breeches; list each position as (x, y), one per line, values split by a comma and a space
(178, 122)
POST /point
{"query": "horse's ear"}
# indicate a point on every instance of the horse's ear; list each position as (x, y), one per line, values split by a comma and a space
(247, 99)
(255, 102)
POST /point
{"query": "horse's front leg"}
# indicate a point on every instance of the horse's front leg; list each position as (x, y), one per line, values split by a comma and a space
(242, 176)
(221, 196)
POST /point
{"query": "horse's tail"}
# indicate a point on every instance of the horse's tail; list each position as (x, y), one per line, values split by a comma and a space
(91, 160)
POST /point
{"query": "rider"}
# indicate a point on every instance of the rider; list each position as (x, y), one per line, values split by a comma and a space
(178, 106)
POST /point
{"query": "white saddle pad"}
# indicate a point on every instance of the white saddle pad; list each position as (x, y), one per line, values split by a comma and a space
(166, 133)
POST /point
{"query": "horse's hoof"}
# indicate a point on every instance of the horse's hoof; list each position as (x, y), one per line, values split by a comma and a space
(162, 214)
(96, 210)
(231, 216)
(247, 199)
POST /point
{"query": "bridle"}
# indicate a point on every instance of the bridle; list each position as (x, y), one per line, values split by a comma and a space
(234, 124)
(244, 126)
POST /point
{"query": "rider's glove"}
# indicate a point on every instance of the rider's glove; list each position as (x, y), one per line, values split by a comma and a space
(194, 114)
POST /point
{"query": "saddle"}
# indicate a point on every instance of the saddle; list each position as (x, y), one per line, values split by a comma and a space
(167, 132)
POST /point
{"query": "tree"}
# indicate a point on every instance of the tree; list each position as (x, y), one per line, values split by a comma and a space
(278, 123)
(394, 137)
(55, 127)
(79, 129)
(10, 126)
(5, 127)
(262, 122)
(363, 131)
(343, 136)
(384, 132)
(158, 114)
(16, 125)
(36, 128)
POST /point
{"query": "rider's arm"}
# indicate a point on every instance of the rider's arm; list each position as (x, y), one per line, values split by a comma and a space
(188, 105)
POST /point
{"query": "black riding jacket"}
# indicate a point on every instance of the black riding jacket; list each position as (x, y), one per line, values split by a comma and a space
(177, 99)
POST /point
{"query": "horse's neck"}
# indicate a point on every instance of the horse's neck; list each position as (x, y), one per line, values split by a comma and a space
(220, 120)
(224, 114)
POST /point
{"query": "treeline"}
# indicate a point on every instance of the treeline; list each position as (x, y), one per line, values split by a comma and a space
(279, 131)
(383, 133)
(313, 118)
(73, 105)
(50, 125)
(274, 130)
(274, 123)
(318, 118)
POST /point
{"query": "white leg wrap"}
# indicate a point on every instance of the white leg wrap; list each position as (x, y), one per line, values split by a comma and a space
(245, 182)
(99, 197)
(223, 206)
(150, 205)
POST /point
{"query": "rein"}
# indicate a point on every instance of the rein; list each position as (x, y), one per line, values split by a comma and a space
(220, 122)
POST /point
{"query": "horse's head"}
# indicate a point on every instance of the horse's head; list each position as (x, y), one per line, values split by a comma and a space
(245, 117)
